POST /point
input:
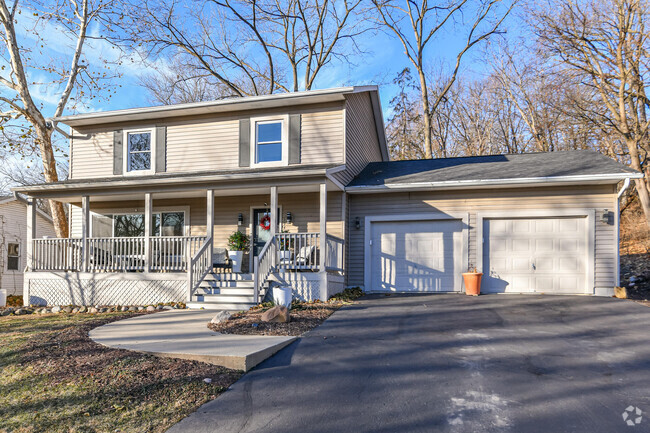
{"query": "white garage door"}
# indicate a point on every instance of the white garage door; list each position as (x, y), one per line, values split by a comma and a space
(416, 256)
(544, 255)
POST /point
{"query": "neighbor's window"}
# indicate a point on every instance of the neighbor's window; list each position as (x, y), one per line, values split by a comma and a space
(138, 151)
(12, 257)
(268, 141)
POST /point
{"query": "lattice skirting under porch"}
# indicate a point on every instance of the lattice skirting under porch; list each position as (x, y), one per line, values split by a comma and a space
(73, 290)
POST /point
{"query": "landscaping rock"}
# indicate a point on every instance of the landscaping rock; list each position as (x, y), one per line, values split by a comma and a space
(132, 309)
(93, 310)
(67, 310)
(167, 307)
(151, 308)
(140, 308)
(276, 314)
(221, 316)
(83, 309)
(56, 309)
(124, 308)
(6, 312)
(75, 310)
(159, 307)
(19, 312)
(103, 310)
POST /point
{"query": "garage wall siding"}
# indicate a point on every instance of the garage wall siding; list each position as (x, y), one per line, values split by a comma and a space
(589, 197)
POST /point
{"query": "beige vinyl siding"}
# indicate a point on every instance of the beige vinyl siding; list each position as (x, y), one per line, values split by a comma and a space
(13, 228)
(91, 154)
(321, 138)
(203, 146)
(362, 144)
(211, 143)
(586, 197)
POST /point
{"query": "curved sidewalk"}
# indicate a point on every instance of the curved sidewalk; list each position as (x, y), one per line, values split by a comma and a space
(184, 334)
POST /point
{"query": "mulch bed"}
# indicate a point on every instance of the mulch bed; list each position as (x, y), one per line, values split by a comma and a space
(303, 318)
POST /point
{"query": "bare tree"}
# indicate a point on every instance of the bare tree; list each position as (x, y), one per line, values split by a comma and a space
(405, 125)
(252, 47)
(19, 108)
(606, 45)
(417, 23)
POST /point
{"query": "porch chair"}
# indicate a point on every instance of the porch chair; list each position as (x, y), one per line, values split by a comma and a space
(304, 258)
(220, 259)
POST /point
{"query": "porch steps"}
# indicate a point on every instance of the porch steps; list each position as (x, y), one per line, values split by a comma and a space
(225, 291)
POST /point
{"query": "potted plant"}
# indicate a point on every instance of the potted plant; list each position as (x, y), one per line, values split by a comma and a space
(472, 280)
(238, 242)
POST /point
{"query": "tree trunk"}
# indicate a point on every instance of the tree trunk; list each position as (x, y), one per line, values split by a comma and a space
(49, 171)
(428, 142)
(641, 184)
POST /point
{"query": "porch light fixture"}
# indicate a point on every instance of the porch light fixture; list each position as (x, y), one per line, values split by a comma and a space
(604, 216)
(240, 219)
(289, 218)
(357, 223)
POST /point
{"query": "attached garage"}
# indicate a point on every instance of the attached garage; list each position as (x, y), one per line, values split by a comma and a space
(551, 254)
(416, 253)
(532, 223)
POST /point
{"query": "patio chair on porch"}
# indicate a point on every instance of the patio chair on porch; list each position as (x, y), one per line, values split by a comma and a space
(220, 259)
(305, 257)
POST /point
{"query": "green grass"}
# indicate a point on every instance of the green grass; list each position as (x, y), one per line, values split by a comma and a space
(53, 378)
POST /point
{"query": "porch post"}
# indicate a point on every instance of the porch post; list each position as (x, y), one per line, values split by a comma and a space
(148, 220)
(209, 221)
(274, 218)
(85, 227)
(323, 242)
(29, 247)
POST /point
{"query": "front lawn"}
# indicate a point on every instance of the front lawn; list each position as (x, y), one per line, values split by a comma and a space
(53, 378)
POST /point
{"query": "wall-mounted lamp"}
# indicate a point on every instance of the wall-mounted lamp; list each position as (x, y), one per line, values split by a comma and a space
(240, 219)
(289, 218)
(604, 216)
(357, 223)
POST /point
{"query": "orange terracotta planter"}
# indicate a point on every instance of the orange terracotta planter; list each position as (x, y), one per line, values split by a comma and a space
(472, 283)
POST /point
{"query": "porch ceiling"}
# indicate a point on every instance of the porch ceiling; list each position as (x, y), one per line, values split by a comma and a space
(242, 182)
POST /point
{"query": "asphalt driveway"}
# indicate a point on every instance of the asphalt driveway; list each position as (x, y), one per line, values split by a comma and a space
(451, 363)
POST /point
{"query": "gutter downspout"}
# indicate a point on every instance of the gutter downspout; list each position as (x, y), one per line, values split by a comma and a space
(626, 184)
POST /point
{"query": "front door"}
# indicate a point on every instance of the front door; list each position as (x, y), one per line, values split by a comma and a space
(261, 229)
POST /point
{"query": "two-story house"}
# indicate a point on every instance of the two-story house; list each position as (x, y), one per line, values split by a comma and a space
(155, 193)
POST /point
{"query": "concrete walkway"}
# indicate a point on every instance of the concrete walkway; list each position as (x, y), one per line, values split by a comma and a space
(184, 334)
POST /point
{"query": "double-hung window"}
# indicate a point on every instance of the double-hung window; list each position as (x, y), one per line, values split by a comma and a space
(13, 256)
(139, 151)
(269, 141)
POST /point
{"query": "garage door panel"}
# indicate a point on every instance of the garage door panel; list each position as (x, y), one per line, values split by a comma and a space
(535, 255)
(424, 255)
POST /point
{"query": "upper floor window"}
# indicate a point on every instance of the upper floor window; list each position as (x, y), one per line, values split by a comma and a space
(139, 151)
(13, 256)
(269, 141)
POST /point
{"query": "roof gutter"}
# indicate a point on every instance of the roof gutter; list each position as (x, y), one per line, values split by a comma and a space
(491, 183)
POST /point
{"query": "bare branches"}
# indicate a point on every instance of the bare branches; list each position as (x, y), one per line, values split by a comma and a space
(416, 23)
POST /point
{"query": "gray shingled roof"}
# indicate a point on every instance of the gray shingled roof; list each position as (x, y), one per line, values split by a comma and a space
(491, 168)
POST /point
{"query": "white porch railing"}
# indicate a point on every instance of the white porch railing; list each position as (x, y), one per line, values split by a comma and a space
(263, 265)
(298, 251)
(56, 255)
(199, 266)
(334, 253)
(168, 254)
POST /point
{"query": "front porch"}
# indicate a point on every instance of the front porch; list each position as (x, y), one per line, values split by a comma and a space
(159, 246)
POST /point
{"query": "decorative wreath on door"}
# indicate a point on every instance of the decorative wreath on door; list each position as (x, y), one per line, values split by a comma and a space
(265, 222)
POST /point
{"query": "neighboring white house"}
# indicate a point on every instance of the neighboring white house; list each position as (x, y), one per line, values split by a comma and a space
(13, 234)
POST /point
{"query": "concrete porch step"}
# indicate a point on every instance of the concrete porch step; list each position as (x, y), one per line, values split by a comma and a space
(207, 290)
(222, 283)
(229, 276)
(218, 306)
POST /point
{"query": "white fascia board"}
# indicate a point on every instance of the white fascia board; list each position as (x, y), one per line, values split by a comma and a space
(491, 183)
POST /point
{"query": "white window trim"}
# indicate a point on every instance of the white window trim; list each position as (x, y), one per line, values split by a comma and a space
(285, 140)
(125, 151)
(155, 210)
